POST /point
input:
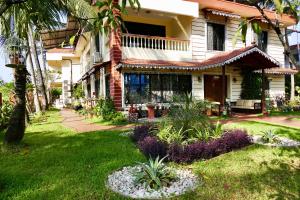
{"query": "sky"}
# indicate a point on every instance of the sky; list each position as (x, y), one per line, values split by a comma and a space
(6, 73)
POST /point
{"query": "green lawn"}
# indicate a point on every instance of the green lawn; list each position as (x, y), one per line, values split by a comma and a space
(258, 128)
(99, 120)
(56, 163)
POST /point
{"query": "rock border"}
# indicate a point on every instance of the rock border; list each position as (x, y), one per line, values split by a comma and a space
(122, 182)
(283, 142)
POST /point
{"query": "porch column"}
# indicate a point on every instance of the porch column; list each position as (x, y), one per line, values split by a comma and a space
(263, 93)
(223, 89)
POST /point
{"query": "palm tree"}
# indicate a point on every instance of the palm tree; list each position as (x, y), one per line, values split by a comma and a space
(32, 14)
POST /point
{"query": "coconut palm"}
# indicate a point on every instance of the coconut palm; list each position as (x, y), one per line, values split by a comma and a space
(33, 16)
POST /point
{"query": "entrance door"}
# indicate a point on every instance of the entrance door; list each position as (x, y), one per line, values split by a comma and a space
(213, 87)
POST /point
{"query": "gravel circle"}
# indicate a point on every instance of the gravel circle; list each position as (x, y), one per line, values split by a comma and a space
(122, 182)
(283, 142)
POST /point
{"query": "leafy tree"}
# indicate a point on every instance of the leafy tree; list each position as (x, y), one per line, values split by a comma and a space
(291, 7)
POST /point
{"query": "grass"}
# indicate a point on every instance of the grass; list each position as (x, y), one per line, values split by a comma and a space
(55, 163)
(100, 121)
(258, 128)
(291, 113)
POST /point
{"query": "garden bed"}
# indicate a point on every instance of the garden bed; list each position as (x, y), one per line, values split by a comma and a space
(281, 142)
(152, 146)
(123, 182)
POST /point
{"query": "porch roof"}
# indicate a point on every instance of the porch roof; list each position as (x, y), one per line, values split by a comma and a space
(280, 71)
(248, 57)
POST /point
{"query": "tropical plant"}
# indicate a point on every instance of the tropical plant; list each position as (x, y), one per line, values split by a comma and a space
(269, 136)
(5, 113)
(185, 116)
(155, 174)
(33, 16)
(78, 92)
(170, 135)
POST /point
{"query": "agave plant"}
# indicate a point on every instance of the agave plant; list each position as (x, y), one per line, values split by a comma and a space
(269, 137)
(155, 174)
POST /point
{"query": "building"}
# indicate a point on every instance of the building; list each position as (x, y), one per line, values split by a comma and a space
(171, 47)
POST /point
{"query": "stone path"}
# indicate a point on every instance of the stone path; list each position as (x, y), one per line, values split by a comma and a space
(287, 121)
(77, 123)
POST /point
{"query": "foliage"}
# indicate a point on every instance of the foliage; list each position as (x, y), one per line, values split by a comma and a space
(269, 137)
(170, 135)
(7, 89)
(39, 117)
(231, 140)
(141, 132)
(251, 85)
(186, 117)
(105, 108)
(55, 93)
(5, 113)
(118, 118)
(78, 92)
(152, 147)
(155, 174)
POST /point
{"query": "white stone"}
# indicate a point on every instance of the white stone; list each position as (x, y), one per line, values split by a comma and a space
(122, 182)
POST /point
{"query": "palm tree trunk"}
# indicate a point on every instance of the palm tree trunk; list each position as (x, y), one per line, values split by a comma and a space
(38, 67)
(37, 104)
(16, 127)
(45, 69)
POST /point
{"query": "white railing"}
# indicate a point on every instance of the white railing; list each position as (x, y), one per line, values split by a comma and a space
(153, 42)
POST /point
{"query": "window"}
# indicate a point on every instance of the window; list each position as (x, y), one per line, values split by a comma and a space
(262, 41)
(215, 37)
(97, 42)
(144, 88)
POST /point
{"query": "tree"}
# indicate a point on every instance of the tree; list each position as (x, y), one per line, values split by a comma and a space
(280, 7)
(32, 14)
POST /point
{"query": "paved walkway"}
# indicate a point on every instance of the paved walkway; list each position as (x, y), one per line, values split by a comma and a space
(287, 121)
(77, 123)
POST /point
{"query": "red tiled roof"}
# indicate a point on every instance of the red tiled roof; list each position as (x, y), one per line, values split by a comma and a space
(249, 56)
(281, 71)
(243, 10)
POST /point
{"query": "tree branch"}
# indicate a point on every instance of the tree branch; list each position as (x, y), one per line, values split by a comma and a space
(281, 36)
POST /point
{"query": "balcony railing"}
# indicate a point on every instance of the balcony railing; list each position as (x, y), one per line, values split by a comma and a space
(155, 43)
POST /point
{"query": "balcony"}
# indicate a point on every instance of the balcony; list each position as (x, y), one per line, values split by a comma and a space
(155, 48)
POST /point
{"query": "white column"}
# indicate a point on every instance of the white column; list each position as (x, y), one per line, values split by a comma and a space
(93, 89)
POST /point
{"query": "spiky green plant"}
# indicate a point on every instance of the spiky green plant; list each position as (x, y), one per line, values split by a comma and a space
(155, 174)
(269, 137)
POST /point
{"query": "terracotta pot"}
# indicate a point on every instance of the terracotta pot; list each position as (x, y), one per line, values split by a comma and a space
(151, 111)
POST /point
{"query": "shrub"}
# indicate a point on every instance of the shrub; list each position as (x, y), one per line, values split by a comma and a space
(118, 118)
(152, 147)
(5, 113)
(235, 139)
(231, 140)
(155, 174)
(140, 132)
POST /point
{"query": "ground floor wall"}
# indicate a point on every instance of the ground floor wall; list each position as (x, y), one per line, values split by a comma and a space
(233, 74)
